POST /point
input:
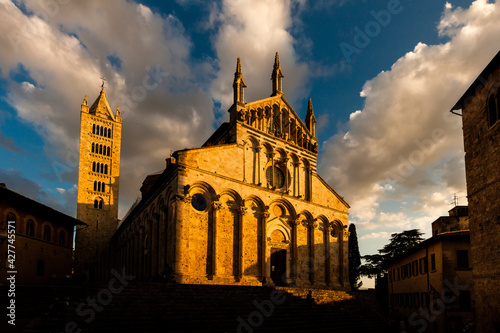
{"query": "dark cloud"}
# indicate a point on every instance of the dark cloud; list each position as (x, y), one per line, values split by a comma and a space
(9, 144)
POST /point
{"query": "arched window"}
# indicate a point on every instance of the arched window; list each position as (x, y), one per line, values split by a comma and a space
(40, 267)
(108, 151)
(100, 204)
(102, 130)
(47, 233)
(93, 166)
(11, 217)
(96, 203)
(100, 149)
(93, 147)
(95, 185)
(106, 169)
(102, 168)
(103, 187)
(93, 129)
(30, 228)
(109, 133)
(97, 130)
(62, 237)
(105, 131)
(99, 187)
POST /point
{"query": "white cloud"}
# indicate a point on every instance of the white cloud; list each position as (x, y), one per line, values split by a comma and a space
(381, 234)
(254, 31)
(414, 153)
(66, 49)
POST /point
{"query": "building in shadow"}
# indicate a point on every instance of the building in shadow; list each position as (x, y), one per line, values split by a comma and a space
(480, 111)
(42, 250)
(430, 285)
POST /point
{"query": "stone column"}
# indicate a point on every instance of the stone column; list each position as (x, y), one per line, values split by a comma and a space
(141, 252)
(258, 149)
(310, 182)
(244, 143)
(298, 179)
(286, 175)
(266, 277)
(294, 269)
(313, 226)
(241, 213)
(216, 206)
(154, 244)
(161, 242)
(272, 170)
(179, 217)
(328, 257)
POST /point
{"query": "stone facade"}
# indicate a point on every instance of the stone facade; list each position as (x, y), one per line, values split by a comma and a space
(246, 208)
(43, 240)
(480, 107)
(458, 219)
(419, 279)
(423, 282)
(98, 182)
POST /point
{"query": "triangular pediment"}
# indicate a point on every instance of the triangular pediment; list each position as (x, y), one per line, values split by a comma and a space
(101, 107)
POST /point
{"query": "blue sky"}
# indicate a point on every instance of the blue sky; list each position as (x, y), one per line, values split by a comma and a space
(382, 76)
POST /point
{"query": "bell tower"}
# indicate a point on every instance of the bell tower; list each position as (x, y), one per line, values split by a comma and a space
(98, 183)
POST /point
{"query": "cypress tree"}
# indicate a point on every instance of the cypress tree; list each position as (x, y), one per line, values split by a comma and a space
(354, 258)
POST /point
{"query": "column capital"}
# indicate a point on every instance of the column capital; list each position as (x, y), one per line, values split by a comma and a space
(265, 214)
(216, 205)
(242, 210)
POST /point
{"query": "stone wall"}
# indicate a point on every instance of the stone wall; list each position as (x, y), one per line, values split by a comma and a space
(482, 158)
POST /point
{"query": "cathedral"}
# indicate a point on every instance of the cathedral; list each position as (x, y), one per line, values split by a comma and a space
(246, 208)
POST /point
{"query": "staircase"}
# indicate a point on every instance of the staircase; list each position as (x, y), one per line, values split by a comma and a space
(155, 307)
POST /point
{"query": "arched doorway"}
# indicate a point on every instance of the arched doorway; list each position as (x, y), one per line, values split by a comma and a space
(278, 257)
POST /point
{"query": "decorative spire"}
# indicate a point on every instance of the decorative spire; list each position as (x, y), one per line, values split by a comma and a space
(277, 77)
(85, 101)
(310, 119)
(238, 67)
(239, 84)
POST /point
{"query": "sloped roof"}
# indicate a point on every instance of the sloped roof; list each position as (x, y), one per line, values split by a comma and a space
(479, 81)
(101, 106)
(19, 201)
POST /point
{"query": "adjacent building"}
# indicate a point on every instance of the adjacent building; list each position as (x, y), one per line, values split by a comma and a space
(480, 110)
(43, 245)
(247, 208)
(430, 285)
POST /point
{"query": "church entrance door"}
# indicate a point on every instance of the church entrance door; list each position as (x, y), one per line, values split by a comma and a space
(278, 266)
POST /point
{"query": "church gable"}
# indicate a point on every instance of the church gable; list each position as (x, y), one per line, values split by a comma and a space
(273, 116)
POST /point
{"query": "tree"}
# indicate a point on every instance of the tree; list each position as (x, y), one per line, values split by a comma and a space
(377, 264)
(354, 258)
